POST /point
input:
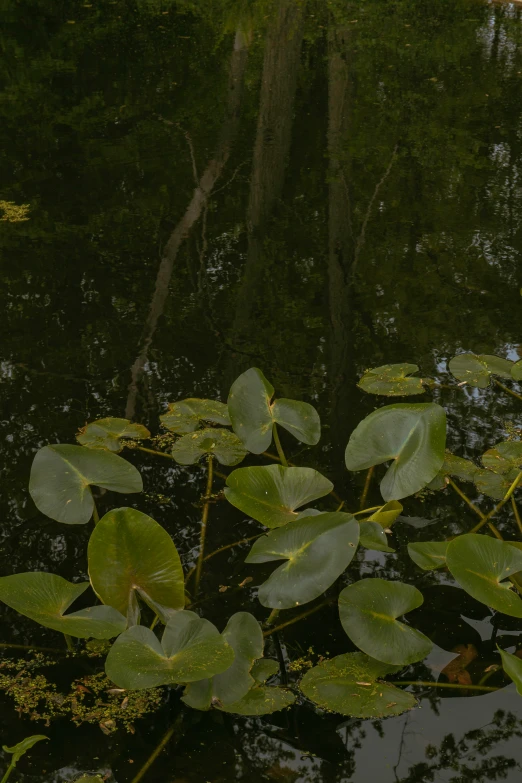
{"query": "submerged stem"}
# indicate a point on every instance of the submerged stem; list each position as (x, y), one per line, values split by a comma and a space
(69, 642)
(507, 389)
(159, 747)
(279, 448)
(299, 617)
(444, 685)
(157, 453)
(8, 772)
(223, 549)
(476, 509)
(366, 487)
(271, 617)
(504, 500)
(95, 515)
(516, 513)
(204, 520)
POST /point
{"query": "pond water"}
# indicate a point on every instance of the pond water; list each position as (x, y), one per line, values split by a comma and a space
(309, 188)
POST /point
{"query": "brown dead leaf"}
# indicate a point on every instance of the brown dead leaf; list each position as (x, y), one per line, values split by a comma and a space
(455, 670)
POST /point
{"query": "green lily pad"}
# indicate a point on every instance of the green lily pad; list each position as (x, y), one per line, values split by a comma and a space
(512, 665)
(21, 748)
(271, 494)
(504, 457)
(244, 635)
(428, 555)
(387, 514)
(108, 434)
(516, 371)
(351, 684)
(253, 415)
(263, 669)
(494, 484)
(412, 435)
(129, 554)
(191, 649)
(317, 550)
(223, 444)
(392, 380)
(45, 597)
(61, 476)
(186, 415)
(482, 566)
(477, 369)
(369, 609)
(261, 700)
(372, 536)
(458, 467)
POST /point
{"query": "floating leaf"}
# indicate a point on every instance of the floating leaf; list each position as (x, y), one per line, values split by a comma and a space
(317, 550)
(459, 467)
(428, 555)
(477, 369)
(129, 554)
(261, 700)
(61, 476)
(263, 669)
(372, 536)
(107, 434)
(412, 435)
(191, 649)
(369, 611)
(494, 484)
(21, 748)
(186, 415)
(350, 684)
(481, 565)
(223, 444)
(392, 380)
(504, 457)
(512, 665)
(387, 514)
(244, 635)
(516, 371)
(45, 597)
(271, 493)
(253, 415)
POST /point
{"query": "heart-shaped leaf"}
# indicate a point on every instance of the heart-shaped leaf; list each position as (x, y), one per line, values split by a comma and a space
(516, 371)
(21, 748)
(253, 415)
(428, 555)
(243, 633)
(512, 665)
(372, 536)
(186, 415)
(129, 554)
(223, 444)
(387, 514)
(482, 566)
(61, 476)
(494, 484)
(45, 597)
(412, 435)
(263, 669)
(191, 649)
(369, 611)
(261, 700)
(317, 550)
(108, 434)
(392, 380)
(272, 493)
(351, 684)
(504, 457)
(477, 369)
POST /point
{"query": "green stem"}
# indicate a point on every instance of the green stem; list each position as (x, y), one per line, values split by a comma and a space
(366, 487)
(507, 389)
(271, 617)
(516, 513)
(223, 549)
(278, 446)
(154, 622)
(6, 646)
(204, 520)
(8, 772)
(69, 641)
(422, 683)
(366, 510)
(476, 509)
(157, 750)
(485, 520)
(299, 617)
(95, 515)
(157, 453)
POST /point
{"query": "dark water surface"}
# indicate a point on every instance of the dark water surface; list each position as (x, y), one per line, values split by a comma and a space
(359, 202)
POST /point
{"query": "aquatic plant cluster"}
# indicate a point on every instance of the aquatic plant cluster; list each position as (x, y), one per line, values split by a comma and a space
(134, 566)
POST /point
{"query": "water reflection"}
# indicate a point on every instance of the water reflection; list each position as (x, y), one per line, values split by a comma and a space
(313, 189)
